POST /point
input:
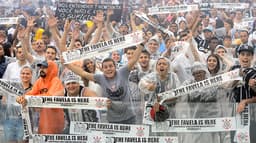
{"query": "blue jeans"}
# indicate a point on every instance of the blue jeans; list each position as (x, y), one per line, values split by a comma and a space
(13, 129)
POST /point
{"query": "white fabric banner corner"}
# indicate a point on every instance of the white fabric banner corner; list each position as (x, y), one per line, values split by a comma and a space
(9, 20)
(171, 9)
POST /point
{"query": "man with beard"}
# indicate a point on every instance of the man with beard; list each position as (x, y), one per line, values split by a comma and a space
(51, 120)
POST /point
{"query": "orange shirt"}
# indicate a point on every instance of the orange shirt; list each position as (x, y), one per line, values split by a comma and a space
(51, 119)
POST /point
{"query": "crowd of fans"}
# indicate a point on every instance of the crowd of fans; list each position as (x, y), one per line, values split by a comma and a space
(203, 44)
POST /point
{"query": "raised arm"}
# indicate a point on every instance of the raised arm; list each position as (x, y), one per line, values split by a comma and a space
(98, 20)
(52, 23)
(135, 57)
(79, 71)
(195, 23)
(75, 35)
(26, 41)
(63, 39)
(133, 24)
(89, 32)
(108, 22)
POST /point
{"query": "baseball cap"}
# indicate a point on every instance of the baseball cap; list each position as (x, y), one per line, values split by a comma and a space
(71, 77)
(220, 47)
(197, 66)
(207, 29)
(43, 63)
(245, 47)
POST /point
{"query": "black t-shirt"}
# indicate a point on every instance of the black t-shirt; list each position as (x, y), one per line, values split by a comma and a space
(244, 91)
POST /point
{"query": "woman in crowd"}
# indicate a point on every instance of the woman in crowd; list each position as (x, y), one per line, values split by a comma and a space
(90, 67)
(214, 64)
(13, 124)
(116, 56)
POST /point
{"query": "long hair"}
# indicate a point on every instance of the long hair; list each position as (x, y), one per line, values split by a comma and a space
(218, 66)
(85, 68)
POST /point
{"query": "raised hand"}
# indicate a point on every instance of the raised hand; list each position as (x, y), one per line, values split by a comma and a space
(52, 22)
(67, 25)
(21, 100)
(31, 21)
(21, 33)
(110, 12)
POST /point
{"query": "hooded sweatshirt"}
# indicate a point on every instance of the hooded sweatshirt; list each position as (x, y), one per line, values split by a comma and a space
(51, 119)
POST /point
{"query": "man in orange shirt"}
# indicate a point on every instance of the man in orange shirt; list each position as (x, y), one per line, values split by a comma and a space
(51, 119)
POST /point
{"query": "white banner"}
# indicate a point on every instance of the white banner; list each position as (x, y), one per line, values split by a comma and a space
(89, 51)
(196, 125)
(171, 9)
(210, 82)
(246, 23)
(9, 20)
(13, 92)
(150, 139)
(106, 128)
(26, 123)
(6, 86)
(231, 5)
(45, 138)
(144, 17)
(94, 103)
(243, 124)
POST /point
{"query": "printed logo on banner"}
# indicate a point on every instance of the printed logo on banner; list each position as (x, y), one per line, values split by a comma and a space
(99, 103)
(226, 124)
(135, 37)
(234, 74)
(97, 139)
(39, 139)
(140, 131)
(243, 137)
(169, 140)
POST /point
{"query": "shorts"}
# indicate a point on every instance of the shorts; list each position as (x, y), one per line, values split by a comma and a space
(13, 129)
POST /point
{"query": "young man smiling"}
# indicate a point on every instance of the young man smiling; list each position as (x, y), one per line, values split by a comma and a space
(114, 83)
(246, 93)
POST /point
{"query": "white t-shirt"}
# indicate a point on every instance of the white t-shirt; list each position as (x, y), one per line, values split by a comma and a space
(12, 71)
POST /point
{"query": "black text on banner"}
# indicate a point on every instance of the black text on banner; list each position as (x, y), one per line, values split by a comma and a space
(210, 82)
(90, 51)
(98, 103)
(82, 11)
